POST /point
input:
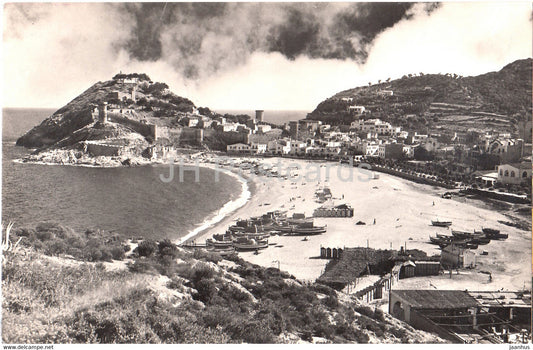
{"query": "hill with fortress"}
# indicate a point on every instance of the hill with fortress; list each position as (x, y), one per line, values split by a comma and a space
(131, 116)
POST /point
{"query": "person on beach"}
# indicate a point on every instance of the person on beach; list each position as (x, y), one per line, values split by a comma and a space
(374, 221)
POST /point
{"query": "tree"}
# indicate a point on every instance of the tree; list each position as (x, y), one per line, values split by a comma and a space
(143, 102)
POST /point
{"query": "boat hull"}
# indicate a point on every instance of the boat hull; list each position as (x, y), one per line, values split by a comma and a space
(242, 247)
(441, 223)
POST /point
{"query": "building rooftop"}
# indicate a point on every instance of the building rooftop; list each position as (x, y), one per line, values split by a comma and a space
(437, 299)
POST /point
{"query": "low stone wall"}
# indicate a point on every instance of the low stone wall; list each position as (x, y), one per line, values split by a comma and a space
(146, 130)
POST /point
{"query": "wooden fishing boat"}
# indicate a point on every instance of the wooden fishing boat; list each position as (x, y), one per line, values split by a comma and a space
(480, 241)
(494, 234)
(248, 244)
(218, 244)
(257, 236)
(467, 235)
(440, 240)
(303, 230)
(441, 223)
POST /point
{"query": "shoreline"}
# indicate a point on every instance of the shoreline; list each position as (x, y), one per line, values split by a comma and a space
(230, 207)
(246, 192)
(403, 210)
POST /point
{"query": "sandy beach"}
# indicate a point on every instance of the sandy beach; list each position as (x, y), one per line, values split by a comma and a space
(402, 211)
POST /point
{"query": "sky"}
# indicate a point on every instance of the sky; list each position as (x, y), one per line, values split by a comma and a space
(277, 56)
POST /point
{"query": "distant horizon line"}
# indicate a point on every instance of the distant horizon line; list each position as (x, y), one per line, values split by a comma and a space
(211, 109)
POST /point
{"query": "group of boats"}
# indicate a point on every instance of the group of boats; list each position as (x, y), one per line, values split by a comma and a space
(252, 234)
(464, 239)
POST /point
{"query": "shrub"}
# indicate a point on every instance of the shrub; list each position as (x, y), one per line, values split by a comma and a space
(44, 235)
(55, 247)
(146, 248)
(331, 301)
(200, 272)
(166, 247)
(117, 253)
(206, 290)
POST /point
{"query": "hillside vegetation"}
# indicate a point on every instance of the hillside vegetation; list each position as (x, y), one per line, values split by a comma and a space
(160, 293)
(427, 100)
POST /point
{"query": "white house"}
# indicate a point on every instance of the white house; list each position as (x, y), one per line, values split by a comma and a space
(297, 146)
(258, 148)
(279, 146)
(263, 128)
(356, 109)
(238, 148)
(370, 148)
(372, 125)
(409, 150)
(514, 173)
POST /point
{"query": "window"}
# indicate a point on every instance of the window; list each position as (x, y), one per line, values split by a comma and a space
(512, 173)
(524, 174)
(506, 173)
(501, 172)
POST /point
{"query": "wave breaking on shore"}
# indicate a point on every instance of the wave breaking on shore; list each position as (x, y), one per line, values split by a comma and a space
(223, 212)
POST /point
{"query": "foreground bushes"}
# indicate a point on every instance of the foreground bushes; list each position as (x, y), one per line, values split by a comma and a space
(45, 302)
(54, 239)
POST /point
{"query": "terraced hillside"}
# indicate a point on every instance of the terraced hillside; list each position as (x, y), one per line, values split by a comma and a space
(495, 100)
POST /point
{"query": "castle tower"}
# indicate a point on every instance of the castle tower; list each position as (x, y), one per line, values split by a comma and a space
(133, 91)
(259, 115)
(102, 112)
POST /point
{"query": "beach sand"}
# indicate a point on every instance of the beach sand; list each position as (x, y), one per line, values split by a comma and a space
(403, 211)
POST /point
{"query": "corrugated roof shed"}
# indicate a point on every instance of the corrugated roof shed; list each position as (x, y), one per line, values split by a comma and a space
(437, 299)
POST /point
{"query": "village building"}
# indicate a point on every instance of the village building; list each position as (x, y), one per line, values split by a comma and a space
(263, 128)
(486, 177)
(279, 147)
(354, 110)
(258, 148)
(390, 151)
(415, 137)
(240, 148)
(453, 256)
(508, 150)
(464, 316)
(409, 150)
(430, 144)
(373, 125)
(370, 148)
(342, 210)
(514, 173)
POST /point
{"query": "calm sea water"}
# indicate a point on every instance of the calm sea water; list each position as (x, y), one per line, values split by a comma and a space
(279, 117)
(129, 201)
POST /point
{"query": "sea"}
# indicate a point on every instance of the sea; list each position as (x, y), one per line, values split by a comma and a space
(132, 202)
(278, 117)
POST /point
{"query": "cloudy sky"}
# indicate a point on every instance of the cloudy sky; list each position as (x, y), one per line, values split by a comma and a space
(251, 55)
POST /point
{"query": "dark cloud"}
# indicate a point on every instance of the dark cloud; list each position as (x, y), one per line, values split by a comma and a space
(202, 38)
